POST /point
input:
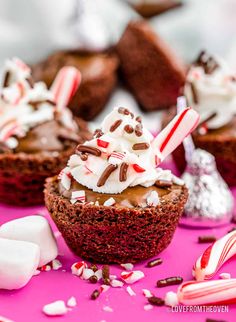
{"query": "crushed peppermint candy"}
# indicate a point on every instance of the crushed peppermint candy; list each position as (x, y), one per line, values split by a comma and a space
(78, 268)
(87, 273)
(46, 268)
(109, 202)
(3, 319)
(130, 291)
(55, 308)
(132, 277)
(148, 307)
(107, 308)
(147, 293)
(153, 199)
(116, 283)
(127, 266)
(56, 264)
(225, 276)
(72, 302)
(77, 196)
(116, 158)
(65, 177)
(37, 272)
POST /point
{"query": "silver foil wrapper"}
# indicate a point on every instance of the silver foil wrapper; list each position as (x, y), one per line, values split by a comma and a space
(210, 202)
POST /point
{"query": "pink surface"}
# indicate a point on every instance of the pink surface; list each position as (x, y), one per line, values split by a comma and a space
(25, 305)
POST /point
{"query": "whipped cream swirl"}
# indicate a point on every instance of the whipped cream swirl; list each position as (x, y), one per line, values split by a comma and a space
(211, 90)
(25, 104)
(120, 155)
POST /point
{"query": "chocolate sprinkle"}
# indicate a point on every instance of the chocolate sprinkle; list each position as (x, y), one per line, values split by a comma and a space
(154, 262)
(6, 79)
(98, 133)
(163, 183)
(138, 130)
(213, 320)
(95, 295)
(115, 125)
(93, 279)
(206, 239)
(123, 171)
(106, 274)
(207, 62)
(88, 149)
(170, 281)
(83, 156)
(141, 146)
(105, 175)
(194, 93)
(124, 111)
(157, 301)
(129, 129)
(138, 119)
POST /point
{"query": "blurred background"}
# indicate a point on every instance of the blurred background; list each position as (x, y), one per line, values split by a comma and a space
(31, 29)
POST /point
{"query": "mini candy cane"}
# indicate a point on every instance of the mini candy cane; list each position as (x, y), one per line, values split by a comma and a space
(132, 277)
(65, 85)
(176, 131)
(188, 141)
(220, 292)
(214, 257)
(116, 158)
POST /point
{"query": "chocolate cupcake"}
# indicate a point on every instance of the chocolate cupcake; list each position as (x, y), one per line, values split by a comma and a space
(211, 89)
(36, 138)
(112, 203)
(98, 78)
(150, 67)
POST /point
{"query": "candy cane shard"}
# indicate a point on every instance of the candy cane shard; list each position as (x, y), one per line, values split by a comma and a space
(219, 292)
(176, 131)
(65, 85)
(214, 257)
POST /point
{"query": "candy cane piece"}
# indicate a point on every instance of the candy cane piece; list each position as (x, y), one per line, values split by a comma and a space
(214, 257)
(175, 132)
(8, 130)
(77, 196)
(220, 292)
(132, 277)
(65, 85)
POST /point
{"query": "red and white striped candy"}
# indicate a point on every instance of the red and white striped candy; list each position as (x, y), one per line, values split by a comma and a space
(214, 257)
(176, 131)
(220, 292)
(77, 196)
(65, 85)
(8, 130)
(78, 268)
(132, 277)
(102, 143)
(65, 177)
(116, 158)
(20, 64)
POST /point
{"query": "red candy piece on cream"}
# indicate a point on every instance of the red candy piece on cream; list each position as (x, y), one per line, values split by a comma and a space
(137, 168)
(102, 143)
(132, 277)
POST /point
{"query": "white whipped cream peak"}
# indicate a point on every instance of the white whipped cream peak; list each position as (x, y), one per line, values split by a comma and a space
(212, 92)
(24, 104)
(123, 149)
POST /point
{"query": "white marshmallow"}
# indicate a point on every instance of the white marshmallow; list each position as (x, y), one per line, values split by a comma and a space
(35, 229)
(18, 263)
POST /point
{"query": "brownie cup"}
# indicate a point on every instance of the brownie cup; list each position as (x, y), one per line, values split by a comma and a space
(113, 203)
(150, 67)
(98, 78)
(35, 138)
(119, 233)
(148, 9)
(211, 89)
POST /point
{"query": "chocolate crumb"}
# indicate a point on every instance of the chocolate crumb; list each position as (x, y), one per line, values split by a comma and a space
(115, 125)
(93, 279)
(129, 129)
(206, 239)
(141, 146)
(194, 93)
(94, 267)
(106, 274)
(123, 172)
(88, 149)
(163, 183)
(154, 262)
(175, 280)
(106, 174)
(95, 295)
(157, 301)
